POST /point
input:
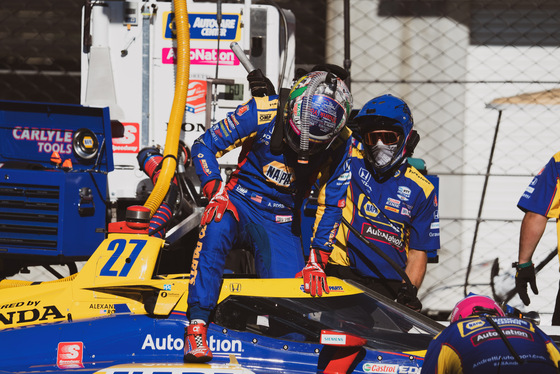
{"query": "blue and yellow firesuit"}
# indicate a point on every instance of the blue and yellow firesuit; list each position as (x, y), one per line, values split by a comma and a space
(395, 215)
(473, 345)
(542, 195)
(267, 191)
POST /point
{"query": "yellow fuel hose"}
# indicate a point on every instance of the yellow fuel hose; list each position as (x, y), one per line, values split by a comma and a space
(177, 110)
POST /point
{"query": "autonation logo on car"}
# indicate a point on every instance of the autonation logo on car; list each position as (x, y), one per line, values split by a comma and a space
(169, 343)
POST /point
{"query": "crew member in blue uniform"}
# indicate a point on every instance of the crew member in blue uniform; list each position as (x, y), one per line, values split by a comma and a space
(258, 209)
(540, 201)
(390, 203)
(481, 340)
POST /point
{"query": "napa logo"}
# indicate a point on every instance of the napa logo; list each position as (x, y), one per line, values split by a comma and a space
(279, 173)
(371, 210)
(474, 325)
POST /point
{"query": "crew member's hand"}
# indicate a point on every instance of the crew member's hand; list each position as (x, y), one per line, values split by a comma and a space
(523, 276)
(407, 296)
(259, 84)
(313, 274)
(216, 192)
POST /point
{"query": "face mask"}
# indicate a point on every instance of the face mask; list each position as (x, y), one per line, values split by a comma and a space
(382, 154)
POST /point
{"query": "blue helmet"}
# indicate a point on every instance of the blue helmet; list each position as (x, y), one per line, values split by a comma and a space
(384, 126)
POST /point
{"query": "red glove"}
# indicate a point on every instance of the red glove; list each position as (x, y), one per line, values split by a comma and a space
(314, 277)
(216, 192)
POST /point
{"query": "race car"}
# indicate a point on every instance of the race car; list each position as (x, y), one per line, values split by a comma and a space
(118, 315)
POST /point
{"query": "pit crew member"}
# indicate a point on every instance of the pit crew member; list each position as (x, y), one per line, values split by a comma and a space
(481, 339)
(389, 202)
(540, 201)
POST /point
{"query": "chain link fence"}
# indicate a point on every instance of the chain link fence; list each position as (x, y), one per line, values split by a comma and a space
(455, 62)
(451, 60)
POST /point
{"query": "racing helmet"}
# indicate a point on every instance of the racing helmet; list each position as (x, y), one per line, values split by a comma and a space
(475, 304)
(316, 110)
(384, 126)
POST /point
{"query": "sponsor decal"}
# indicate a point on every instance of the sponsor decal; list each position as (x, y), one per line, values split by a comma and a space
(371, 232)
(474, 324)
(369, 367)
(265, 117)
(436, 214)
(241, 190)
(278, 173)
(389, 368)
(201, 56)
(365, 176)
(283, 219)
(209, 56)
(434, 225)
(345, 176)
(235, 287)
(403, 193)
(529, 190)
(196, 256)
(405, 212)
(196, 96)
(204, 166)
(45, 313)
(130, 141)
(331, 288)
(370, 209)
(167, 287)
(69, 355)
(169, 343)
(225, 127)
(341, 203)
(336, 289)
(242, 110)
(390, 208)
(47, 140)
(338, 339)
(493, 334)
(393, 202)
(204, 26)
(435, 201)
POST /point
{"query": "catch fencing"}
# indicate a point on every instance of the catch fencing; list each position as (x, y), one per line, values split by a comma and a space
(480, 78)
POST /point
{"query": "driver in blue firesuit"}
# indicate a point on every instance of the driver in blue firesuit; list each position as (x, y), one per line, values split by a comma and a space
(482, 340)
(258, 209)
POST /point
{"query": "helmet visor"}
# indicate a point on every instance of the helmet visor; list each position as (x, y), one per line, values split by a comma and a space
(388, 137)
